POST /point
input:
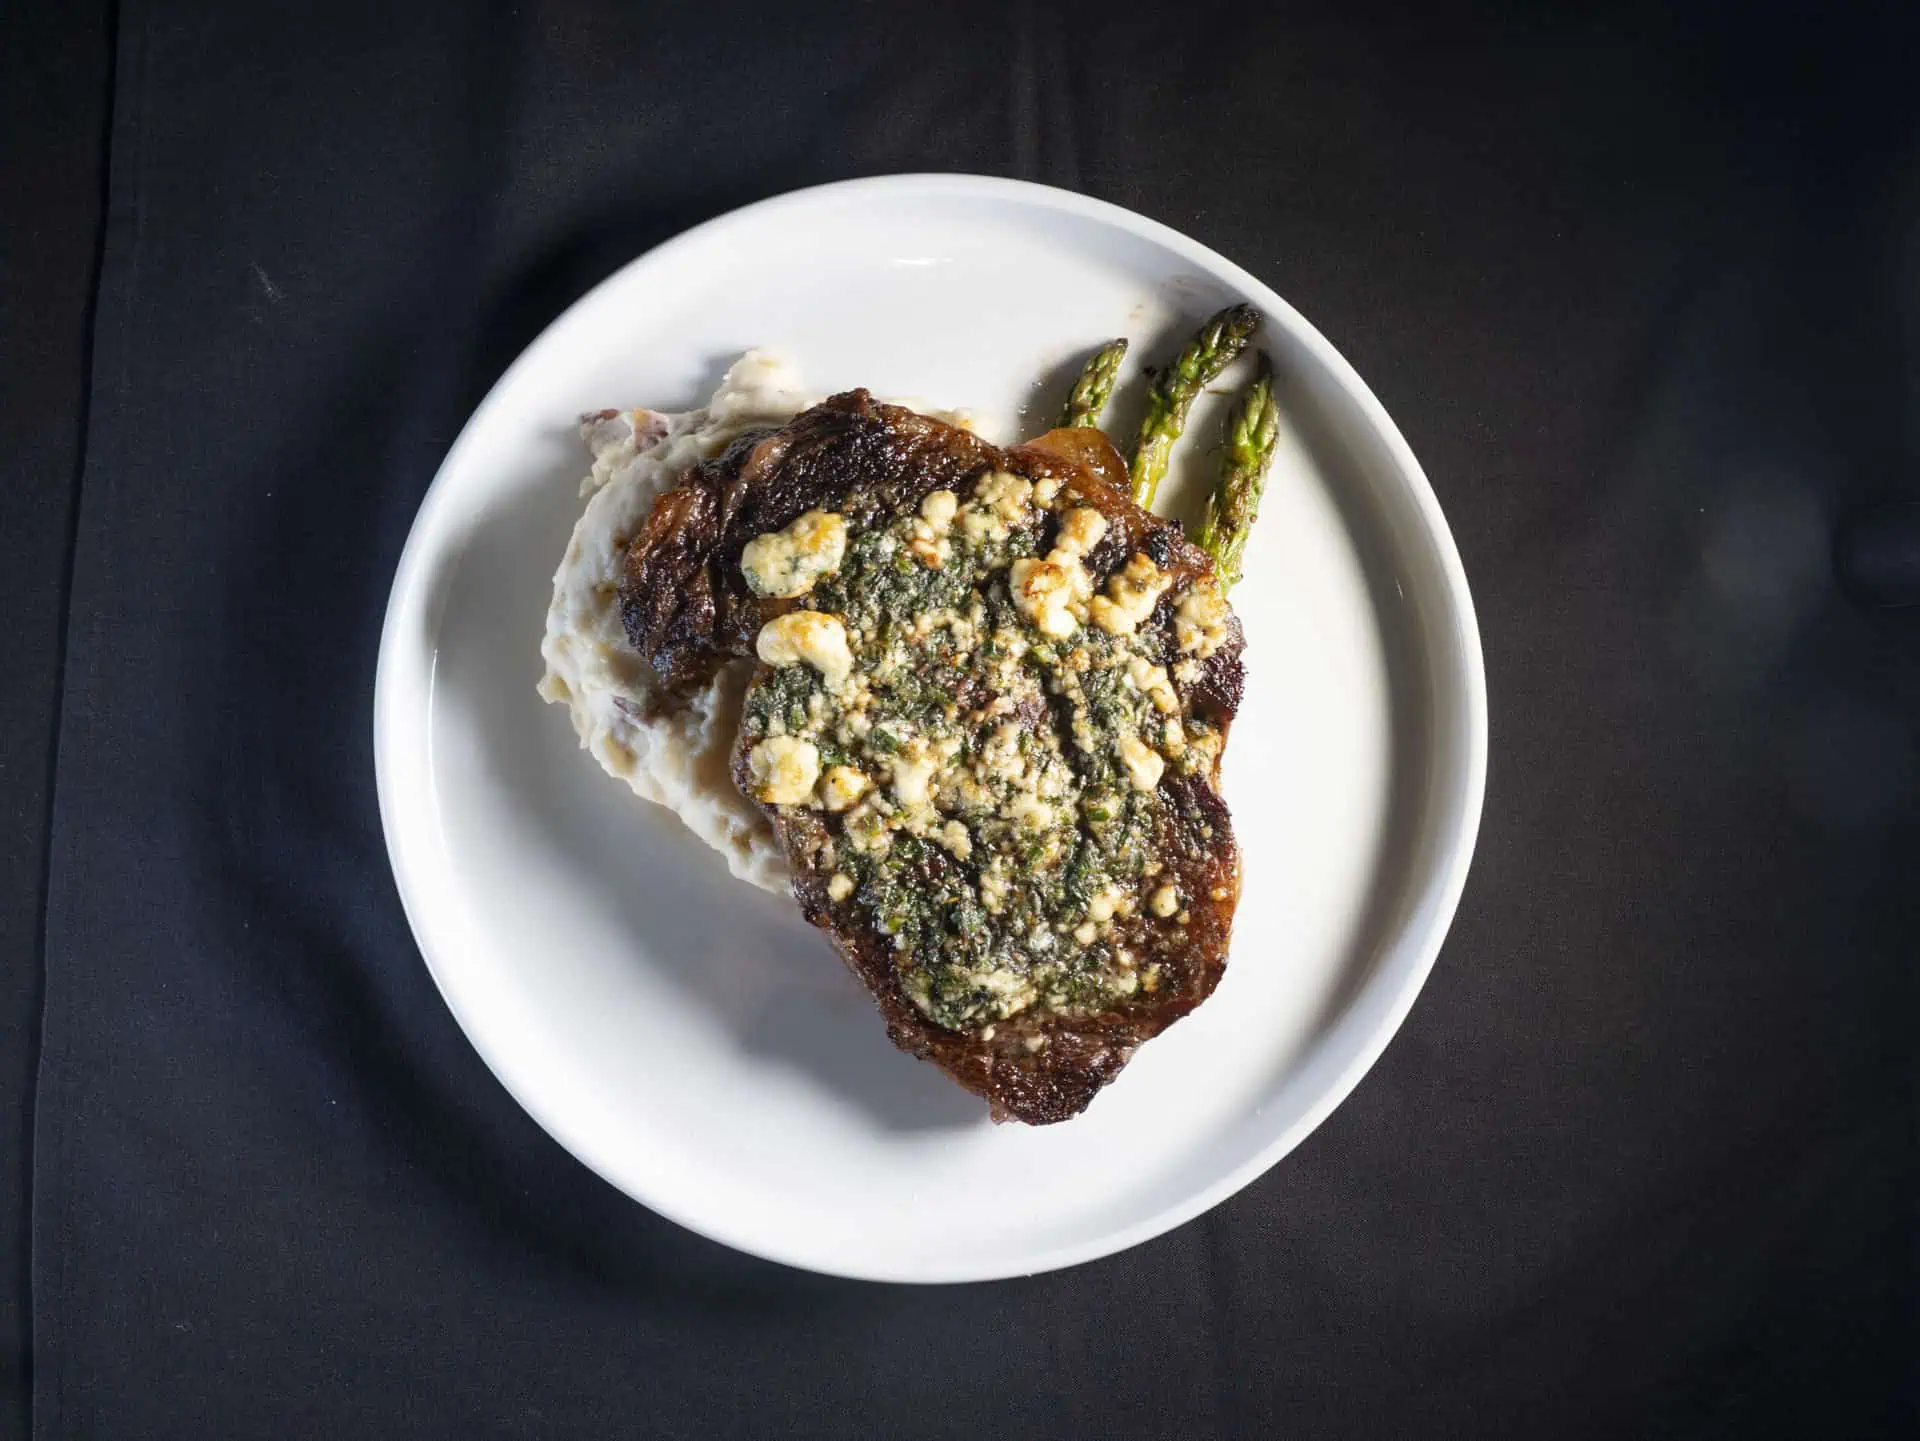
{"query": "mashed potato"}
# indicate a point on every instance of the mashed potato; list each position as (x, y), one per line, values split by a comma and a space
(672, 751)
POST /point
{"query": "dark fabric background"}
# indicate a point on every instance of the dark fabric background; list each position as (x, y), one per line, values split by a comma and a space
(1643, 291)
(53, 108)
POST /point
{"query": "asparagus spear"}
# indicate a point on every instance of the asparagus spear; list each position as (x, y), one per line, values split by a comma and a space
(1235, 501)
(1174, 390)
(1095, 385)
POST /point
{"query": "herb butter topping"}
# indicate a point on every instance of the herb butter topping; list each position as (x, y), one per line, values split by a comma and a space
(989, 737)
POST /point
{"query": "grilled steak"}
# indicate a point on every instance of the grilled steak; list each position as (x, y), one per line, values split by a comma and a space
(986, 726)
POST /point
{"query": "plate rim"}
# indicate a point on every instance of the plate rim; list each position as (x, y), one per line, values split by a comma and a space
(1458, 808)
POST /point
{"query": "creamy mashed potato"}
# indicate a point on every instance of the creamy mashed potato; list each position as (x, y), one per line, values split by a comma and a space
(669, 750)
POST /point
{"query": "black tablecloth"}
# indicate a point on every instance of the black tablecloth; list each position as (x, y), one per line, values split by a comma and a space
(1642, 290)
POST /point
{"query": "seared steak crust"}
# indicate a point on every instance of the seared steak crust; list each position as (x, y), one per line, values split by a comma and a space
(1039, 1040)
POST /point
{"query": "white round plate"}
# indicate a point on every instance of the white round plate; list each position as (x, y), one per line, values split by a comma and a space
(690, 1038)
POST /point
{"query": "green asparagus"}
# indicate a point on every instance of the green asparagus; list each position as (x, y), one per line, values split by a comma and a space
(1235, 501)
(1095, 385)
(1211, 351)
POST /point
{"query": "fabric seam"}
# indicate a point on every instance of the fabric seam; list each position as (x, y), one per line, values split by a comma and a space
(47, 1223)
